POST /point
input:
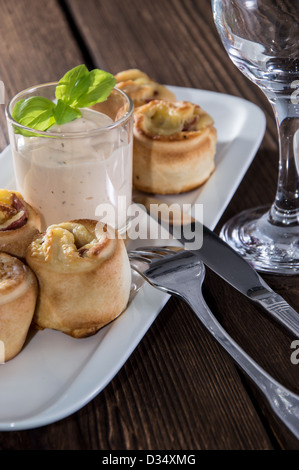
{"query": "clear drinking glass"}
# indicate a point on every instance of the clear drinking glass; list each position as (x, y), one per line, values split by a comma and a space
(74, 170)
(262, 39)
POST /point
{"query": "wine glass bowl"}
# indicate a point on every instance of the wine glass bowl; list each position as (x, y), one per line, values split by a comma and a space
(261, 38)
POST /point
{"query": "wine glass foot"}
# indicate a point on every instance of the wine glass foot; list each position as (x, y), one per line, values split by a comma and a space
(268, 248)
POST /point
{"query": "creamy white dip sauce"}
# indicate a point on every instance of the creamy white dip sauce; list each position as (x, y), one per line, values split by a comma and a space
(68, 178)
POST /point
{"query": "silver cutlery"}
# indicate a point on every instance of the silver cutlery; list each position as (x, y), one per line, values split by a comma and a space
(229, 265)
(224, 261)
(181, 273)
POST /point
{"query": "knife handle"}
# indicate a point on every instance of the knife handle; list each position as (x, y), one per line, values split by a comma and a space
(281, 311)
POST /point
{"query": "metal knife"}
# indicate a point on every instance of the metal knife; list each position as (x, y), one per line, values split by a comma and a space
(233, 268)
(230, 266)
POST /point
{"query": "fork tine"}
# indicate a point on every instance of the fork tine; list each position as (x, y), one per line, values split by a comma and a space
(142, 254)
(149, 254)
(139, 257)
(153, 252)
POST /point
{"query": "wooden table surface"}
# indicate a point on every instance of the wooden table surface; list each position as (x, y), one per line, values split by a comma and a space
(178, 390)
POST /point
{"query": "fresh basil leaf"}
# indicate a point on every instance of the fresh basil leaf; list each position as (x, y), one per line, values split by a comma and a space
(64, 113)
(101, 85)
(35, 112)
(73, 85)
(78, 88)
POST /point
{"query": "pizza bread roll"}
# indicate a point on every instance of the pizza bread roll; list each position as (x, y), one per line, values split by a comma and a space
(174, 147)
(84, 277)
(141, 88)
(19, 222)
(18, 294)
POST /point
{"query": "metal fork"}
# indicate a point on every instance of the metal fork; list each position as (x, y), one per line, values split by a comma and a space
(179, 272)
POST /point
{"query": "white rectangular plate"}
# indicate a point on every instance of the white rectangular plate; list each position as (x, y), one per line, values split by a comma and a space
(55, 375)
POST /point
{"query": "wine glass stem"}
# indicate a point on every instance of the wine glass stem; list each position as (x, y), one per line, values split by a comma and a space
(285, 209)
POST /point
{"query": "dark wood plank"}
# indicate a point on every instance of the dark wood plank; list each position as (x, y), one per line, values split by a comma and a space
(37, 46)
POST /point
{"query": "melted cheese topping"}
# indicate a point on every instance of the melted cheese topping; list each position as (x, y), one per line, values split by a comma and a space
(140, 87)
(6, 194)
(163, 118)
(81, 235)
(131, 74)
(67, 244)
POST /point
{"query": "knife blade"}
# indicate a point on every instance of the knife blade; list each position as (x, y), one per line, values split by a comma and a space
(220, 257)
(234, 269)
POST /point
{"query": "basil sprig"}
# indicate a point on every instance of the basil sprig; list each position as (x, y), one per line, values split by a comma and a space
(78, 88)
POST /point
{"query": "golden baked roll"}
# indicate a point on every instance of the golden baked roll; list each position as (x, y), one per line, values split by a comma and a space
(174, 147)
(19, 222)
(18, 294)
(84, 277)
(141, 88)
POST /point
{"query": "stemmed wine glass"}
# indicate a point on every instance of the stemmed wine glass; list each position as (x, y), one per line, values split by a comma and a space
(262, 39)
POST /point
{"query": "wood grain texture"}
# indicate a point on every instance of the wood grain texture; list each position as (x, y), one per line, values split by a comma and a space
(37, 46)
(179, 389)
